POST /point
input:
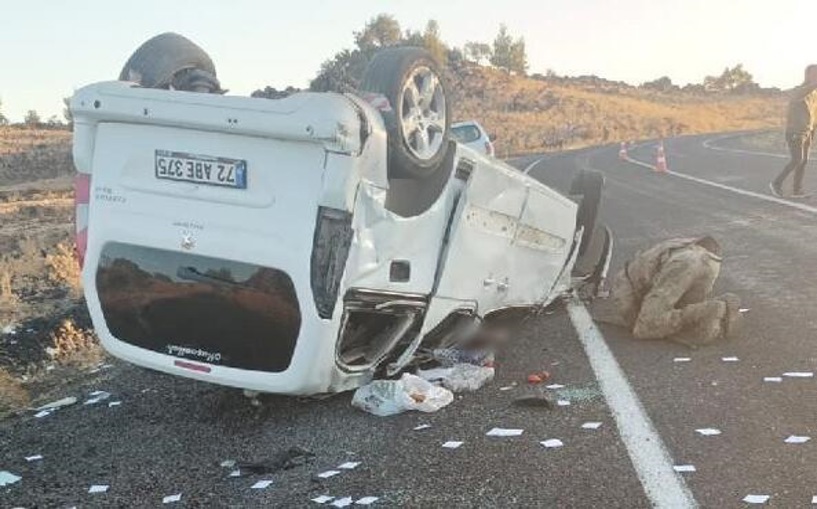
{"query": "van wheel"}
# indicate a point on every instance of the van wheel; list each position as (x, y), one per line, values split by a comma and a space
(170, 60)
(587, 188)
(417, 116)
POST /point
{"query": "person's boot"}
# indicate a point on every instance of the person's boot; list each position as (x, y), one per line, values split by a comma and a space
(733, 318)
(776, 188)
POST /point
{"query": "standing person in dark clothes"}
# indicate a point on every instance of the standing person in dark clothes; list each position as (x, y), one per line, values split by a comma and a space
(800, 123)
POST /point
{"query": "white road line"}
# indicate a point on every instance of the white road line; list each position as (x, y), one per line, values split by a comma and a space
(708, 144)
(653, 464)
(765, 197)
(529, 167)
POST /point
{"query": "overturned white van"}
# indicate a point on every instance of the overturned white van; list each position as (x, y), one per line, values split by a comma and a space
(304, 244)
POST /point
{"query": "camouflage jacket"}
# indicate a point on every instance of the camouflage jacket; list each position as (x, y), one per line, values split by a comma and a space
(802, 114)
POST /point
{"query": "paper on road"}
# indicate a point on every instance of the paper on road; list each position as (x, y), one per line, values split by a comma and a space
(708, 432)
(98, 488)
(795, 439)
(422, 426)
(262, 485)
(756, 499)
(452, 444)
(591, 425)
(322, 499)
(799, 374)
(36, 457)
(172, 498)
(776, 379)
(367, 500)
(328, 474)
(349, 465)
(682, 359)
(552, 443)
(342, 502)
(730, 359)
(504, 432)
(684, 468)
(7, 478)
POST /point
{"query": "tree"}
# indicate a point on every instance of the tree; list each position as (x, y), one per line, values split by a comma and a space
(501, 55)
(434, 44)
(518, 57)
(477, 52)
(3, 119)
(381, 31)
(66, 110)
(736, 80)
(32, 119)
(662, 84)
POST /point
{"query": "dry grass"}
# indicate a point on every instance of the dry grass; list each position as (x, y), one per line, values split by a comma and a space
(526, 113)
(72, 344)
(63, 269)
(13, 395)
(9, 303)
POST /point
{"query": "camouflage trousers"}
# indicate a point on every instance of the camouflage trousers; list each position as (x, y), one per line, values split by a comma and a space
(678, 300)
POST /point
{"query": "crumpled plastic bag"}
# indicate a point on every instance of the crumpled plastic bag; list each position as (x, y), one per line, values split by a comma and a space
(459, 377)
(390, 397)
(449, 357)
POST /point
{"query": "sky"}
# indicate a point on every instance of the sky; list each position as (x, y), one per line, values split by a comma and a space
(49, 48)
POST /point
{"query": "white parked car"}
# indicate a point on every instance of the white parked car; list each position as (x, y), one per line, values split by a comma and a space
(304, 245)
(473, 135)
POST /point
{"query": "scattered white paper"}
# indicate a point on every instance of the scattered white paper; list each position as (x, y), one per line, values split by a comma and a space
(554, 386)
(235, 473)
(42, 413)
(59, 403)
(591, 425)
(708, 432)
(563, 402)
(50, 367)
(96, 393)
(799, 374)
(367, 500)
(730, 359)
(7, 478)
(795, 439)
(682, 359)
(777, 379)
(172, 498)
(98, 488)
(756, 499)
(228, 463)
(504, 432)
(744, 310)
(349, 465)
(684, 468)
(36, 457)
(322, 499)
(506, 388)
(422, 426)
(99, 397)
(814, 499)
(261, 485)
(552, 443)
(452, 444)
(114, 403)
(342, 502)
(328, 474)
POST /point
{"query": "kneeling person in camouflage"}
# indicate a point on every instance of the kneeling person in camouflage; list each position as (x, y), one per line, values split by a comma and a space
(666, 290)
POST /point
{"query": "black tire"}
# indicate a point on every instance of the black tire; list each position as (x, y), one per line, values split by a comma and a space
(387, 74)
(588, 184)
(170, 59)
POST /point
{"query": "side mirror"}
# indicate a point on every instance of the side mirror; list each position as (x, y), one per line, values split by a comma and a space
(492, 137)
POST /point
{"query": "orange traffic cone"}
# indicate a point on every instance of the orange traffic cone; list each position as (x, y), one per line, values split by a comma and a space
(622, 152)
(661, 160)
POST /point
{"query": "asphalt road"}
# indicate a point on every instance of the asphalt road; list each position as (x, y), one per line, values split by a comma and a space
(170, 435)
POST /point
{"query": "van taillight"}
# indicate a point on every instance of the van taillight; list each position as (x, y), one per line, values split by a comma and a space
(82, 195)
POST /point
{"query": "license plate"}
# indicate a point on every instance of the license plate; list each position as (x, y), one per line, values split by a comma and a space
(199, 169)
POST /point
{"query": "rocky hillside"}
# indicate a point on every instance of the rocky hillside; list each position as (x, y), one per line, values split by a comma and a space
(535, 114)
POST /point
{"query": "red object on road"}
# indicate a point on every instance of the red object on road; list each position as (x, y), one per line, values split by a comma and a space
(538, 377)
(661, 160)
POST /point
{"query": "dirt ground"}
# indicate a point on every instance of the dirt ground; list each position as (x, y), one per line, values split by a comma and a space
(44, 327)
